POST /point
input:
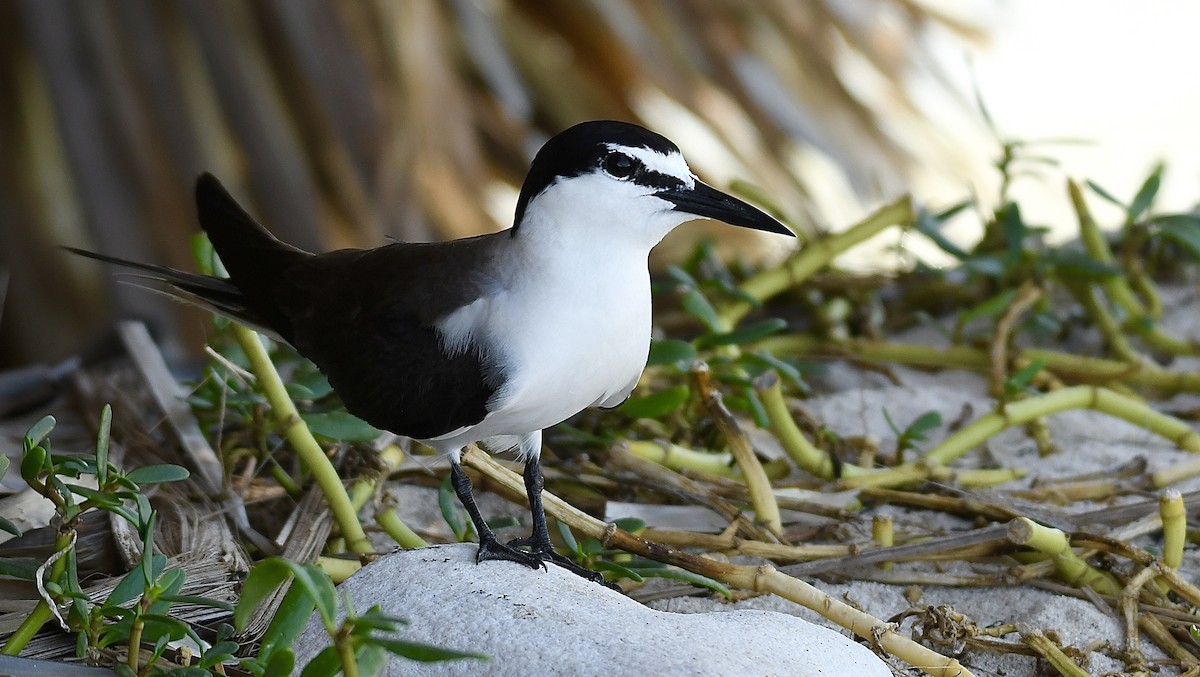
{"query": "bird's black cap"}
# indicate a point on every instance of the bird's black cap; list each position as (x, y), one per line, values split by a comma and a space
(579, 150)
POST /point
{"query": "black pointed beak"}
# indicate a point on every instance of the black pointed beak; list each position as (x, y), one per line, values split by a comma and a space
(704, 200)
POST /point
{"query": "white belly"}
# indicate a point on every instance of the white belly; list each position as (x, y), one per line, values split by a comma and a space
(569, 346)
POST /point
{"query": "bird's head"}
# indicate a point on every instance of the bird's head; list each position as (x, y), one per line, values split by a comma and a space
(608, 179)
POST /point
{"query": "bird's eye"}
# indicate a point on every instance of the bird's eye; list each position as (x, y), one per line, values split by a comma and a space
(620, 165)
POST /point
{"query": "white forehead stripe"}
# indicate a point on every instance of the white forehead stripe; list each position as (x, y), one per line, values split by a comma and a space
(671, 164)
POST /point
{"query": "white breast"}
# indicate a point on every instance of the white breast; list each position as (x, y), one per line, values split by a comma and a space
(573, 342)
(569, 318)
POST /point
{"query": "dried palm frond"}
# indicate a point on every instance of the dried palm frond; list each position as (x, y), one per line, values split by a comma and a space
(348, 121)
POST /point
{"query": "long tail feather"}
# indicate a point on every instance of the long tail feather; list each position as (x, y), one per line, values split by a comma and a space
(215, 294)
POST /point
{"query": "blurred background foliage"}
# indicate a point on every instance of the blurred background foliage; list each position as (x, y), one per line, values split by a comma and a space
(340, 123)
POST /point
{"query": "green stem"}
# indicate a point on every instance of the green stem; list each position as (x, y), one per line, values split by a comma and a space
(1115, 286)
(135, 639)
(813, 257)
(28, 628)
(284, 479)
(390, 522)
(41, 611)
(345, 650)
(339, 569)
(1076, 397)
(363, 488)
(1068, 367)
(1174, 519)
(716, 463)
(1070, 567)
(302, 441)
(1105, 322)
(804, 454)
(1022, 412)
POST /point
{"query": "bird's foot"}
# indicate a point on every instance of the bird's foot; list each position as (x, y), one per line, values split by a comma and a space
(490, 548)
(547, 554)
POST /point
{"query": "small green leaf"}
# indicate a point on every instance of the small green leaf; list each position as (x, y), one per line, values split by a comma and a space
(340, 425)
(376, 615)
(689, 577)
(169, 582)
(419, 652)
(671, 351)
(160, 624)
(371, 659)
(1014, 229)
(743, 335)
(324, 664)
(73, 466)
(318, 585)
(298, 393)
(1182, 229)
(262, 580)
(756, 406)
(656, 405)
(146, 566)
(697, 305)
(102, 499)
(23, 568)
(568, 538)
(281, 664)
(682, 277)
(892, 424)
(633, 525)
(39, 431)
(32, 463)
(989, 308)
(1146, 194)
(1106, 195)
(498, 523)
(289, 621)
(315, 382)
(157, 474)
(987, 265)
(618, 570)
(378, 621)
(11, 528)
(131, 585)
(102, 445)
(1020, 380)
(449, 506)
(924, 423)
(785, 369)
(930, 226)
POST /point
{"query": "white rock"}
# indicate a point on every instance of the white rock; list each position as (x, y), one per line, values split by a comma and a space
(533, 622)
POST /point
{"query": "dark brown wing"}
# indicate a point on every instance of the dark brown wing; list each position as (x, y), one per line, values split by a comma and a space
(366, 318)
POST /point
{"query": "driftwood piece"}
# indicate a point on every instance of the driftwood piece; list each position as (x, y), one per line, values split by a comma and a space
(153, 368)
(166, 392)
(303, 537)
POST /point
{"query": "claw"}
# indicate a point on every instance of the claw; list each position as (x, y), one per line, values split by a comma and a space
(545, 553)
(490, 548)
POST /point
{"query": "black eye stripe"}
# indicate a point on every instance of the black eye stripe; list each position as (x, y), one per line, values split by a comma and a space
(657, 179)
(628, 168)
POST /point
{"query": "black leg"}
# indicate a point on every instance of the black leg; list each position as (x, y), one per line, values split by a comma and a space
(539, 538)
(489, 547)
